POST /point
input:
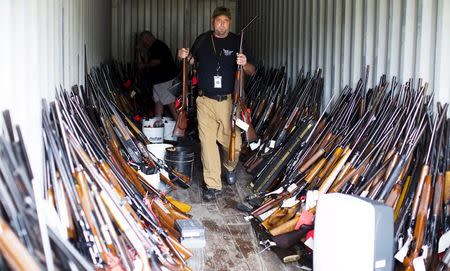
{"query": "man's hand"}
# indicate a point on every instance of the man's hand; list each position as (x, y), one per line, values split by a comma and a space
(241, 59)
(183, 53)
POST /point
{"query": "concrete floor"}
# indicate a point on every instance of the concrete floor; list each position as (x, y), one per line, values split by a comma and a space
(231, 243)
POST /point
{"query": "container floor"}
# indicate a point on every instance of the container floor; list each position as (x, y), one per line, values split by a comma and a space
(231, 243)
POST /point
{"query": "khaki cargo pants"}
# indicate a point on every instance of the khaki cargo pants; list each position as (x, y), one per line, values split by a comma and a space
(214, 126)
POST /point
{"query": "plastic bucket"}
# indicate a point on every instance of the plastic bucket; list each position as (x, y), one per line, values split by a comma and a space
(155, 181)
(181, 159)
(158, 150)
(168, 130)
(154, 134)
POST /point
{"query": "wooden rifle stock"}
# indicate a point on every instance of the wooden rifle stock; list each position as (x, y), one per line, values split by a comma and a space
(234, 116)
(402, 197)
(331, 162)
(421, 224)
(312, 160)
(269, 204)
(181, 124)
(186, 253)
(334, 172)
(250, 134)
(106, 169)
(14, 251)
(447, 194)
(436, 212)
(237, 96)
(393, 195)
(422, 179)
(279, 217)
(87, 206)
(315, 170)
(286, 227)
(127, 170)
(289, 239)
(123, 224)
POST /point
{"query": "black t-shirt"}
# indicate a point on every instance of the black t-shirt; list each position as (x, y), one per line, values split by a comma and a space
(221, 61)
(167, 69)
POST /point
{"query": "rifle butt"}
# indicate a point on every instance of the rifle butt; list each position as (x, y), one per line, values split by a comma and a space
(289, 226)
(14, 251)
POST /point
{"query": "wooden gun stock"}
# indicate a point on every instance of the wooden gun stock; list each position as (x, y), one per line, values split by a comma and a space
(186, 253)
(447, 188)
(331, 162)
(402, 197)
(14, 251)
(289, 239)
(181, 124)
(315, 170)
(312, 160)
(286, 227)
(421, 224)
(231, 152)
(280, 216)
(328, 182)
(123, 224)
(419, 188)
(87, 206)
(250, 134)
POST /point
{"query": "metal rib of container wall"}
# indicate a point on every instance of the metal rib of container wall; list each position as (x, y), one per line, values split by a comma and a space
(42, 48)
(403, 38)
(176, 22)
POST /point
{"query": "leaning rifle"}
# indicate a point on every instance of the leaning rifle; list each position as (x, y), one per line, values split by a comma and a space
(236, 97)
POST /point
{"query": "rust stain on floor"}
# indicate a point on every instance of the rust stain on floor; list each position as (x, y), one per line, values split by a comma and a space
(245, 246)
(211, 225)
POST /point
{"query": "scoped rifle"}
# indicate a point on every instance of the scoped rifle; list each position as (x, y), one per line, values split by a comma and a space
(238, 98)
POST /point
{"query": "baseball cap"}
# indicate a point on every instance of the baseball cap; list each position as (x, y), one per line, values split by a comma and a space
(221, 11)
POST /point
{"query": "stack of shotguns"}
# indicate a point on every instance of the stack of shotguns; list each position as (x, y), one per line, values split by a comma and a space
(97, 206)
(283, 117)
(385, 144)
(26, 243)
(105, 205)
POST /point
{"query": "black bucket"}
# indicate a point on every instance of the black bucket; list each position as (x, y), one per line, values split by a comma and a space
(182, 160)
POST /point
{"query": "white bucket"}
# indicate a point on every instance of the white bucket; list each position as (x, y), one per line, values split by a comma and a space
(158, 150)
(154, 134)
(168, 130)
(145, 123)
(155, 181)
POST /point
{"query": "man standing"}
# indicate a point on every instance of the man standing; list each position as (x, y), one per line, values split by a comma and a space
(157, 66)
(217, 55)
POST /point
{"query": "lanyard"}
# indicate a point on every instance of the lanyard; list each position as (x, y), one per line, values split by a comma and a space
(218, 56)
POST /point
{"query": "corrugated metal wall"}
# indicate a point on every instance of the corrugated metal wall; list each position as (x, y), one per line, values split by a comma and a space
(42, 47)
(406, 38)
(176, 22)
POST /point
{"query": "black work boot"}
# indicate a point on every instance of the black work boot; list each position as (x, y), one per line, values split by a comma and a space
(231, 177)
(211, 194)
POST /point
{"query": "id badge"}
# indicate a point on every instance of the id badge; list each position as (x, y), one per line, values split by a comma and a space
(217, 81)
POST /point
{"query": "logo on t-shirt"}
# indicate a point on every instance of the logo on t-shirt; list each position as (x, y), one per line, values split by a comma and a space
(227, 52)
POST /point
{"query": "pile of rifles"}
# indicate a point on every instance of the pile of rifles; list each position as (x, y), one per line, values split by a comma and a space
(387, 144)
(95, 207)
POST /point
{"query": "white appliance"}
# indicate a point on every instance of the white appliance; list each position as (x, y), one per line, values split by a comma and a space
(353, 233)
